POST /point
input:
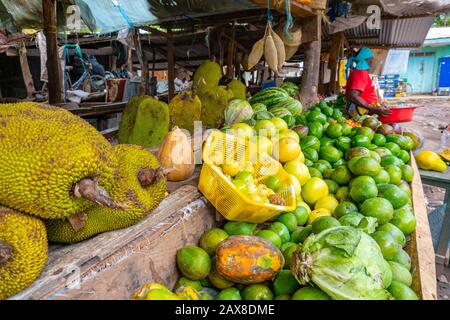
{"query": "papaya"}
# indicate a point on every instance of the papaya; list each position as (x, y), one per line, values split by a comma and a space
(248, 259)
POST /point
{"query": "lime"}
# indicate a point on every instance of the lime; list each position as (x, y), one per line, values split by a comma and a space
(313, 172)
(395, 173)
(391, 160)
(273, 182)
(393, 147)
(322, 165)
(382, 177)
(301, 214)
(405, 187)
(342, 193)
(365, 166)
(310, 293)
(323, 223)
(383, 152)
(366, 131)
(271, 236)
(300, 234)
(289, 220)
(241, 185)
(211, 239)
(401, 291)
(185, 282)
(326, 141)
(318, 213)
(387, 243)
(379, 139)
(361, 141)
(314, 189)
(344, 208)
(404, 219)
(395, 195)
(341, 176)
(281, 230)
(286, 245)
(363, 188)
(398, 235)
(407, 173)
(331, 154)
(245, 176)
(327, 202)
(304, 205)
(257, 292)
(339, 163)
(402, 258)
(288, 254)
(334, 130)
(239, 228)
(193, 262)
(400, 273)
(404, 156)
(285, 283)
(332, 186)
(229, 294)
(346, 129)
(378, 208)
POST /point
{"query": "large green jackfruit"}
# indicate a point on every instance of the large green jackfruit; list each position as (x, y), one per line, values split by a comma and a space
(239, 89)
(128, 188)
(23, 251)
(185, 109)
(207, 77)
(214, 103)
(145, 122)
(49, 158)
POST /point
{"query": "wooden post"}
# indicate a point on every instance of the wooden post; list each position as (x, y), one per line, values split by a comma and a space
(171, 65)
(311, 67)
(143, 62)
(27, 77)
(230, 55)
(53, 64)
(130, 61)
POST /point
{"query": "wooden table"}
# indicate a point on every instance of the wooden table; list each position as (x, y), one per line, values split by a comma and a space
(441, 180)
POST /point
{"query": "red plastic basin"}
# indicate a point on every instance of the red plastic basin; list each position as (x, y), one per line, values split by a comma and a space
(399, 114)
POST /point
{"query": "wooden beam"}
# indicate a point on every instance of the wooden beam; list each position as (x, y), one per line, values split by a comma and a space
(27, 77)
(230, 55)
(53, 64)
(171, 66)
(143, 62)
(297, 9)
(309, 28)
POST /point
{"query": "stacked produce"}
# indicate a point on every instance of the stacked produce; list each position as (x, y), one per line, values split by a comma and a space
(346, 238)
(57, 167)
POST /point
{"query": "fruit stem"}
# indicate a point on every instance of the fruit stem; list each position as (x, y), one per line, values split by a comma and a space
(89, 189)
(147, 177)
(5, 252)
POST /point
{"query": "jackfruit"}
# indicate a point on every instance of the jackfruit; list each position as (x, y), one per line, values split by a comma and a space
(239, 89)
(214, 103)
(145, 122)
(185, 109)
(140, 197)
(207, 77)
(23, 251)
(50, 160)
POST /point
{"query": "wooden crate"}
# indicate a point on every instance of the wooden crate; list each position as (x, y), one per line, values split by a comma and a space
(113, 265)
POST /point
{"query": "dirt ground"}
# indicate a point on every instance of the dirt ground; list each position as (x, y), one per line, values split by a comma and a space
(430, 118)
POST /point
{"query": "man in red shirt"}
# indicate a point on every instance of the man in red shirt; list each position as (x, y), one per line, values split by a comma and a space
(360, 90)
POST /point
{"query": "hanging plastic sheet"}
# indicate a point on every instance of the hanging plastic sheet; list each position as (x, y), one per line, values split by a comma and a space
(396, 61)
(411, 7)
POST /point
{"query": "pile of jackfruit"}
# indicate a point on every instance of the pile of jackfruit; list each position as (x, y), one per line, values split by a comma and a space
(62, 181)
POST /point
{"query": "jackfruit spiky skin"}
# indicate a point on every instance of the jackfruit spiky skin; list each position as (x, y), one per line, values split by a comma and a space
(207, 77)
(185, 109)
(146, 122)
(214, 103)
(239, 89)
(126, 189)
(27, 237)
(44, 152)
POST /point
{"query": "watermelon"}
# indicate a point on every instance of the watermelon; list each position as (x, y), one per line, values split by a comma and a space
(258, 107)
(291, 104)
(290, 88)
(269, 97)
(280, 112)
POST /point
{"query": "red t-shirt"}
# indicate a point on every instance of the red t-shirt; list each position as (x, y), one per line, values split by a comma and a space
(361, 81)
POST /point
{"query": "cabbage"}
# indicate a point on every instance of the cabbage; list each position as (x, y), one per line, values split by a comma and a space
(368, 224)
(258, 107)
(345, 263)
(238, 111)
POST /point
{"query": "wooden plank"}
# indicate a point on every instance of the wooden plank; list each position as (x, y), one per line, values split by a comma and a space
(114, 264)
(27, 77)
(171, 66)
(297, 9)
(53, 65)
(420, 247)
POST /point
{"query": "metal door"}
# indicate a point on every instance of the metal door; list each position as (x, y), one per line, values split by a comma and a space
(444, 73)
(421, 74)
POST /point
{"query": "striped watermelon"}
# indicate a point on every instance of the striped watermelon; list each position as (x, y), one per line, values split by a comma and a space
(280, 112)
(293, 105)
(269, 96)
(290, 88)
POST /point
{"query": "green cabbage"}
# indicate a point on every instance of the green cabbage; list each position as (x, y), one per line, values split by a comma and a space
(238, 111)
(345, 263)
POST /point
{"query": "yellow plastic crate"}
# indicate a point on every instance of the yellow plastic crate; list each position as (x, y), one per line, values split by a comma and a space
(221, 192)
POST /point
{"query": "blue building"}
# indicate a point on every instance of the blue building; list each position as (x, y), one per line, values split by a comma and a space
(429, 66)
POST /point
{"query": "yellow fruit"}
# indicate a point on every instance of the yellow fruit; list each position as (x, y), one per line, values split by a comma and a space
(188, 293)
(297, 186)
(263, 144)
(298, 170)
(161, 294)
(304, 205)
(301, 157)
(428, 160)
(23, 251)
(140, 197)
(289, 134)
(286, 150)
(231, 167)
(327, 202)
(45, 154)
(317, 214)
(280, 124)
(242, 130)
(314, 190)
(142, 292)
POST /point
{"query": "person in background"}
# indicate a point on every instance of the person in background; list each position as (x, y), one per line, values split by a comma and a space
(360, 90)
